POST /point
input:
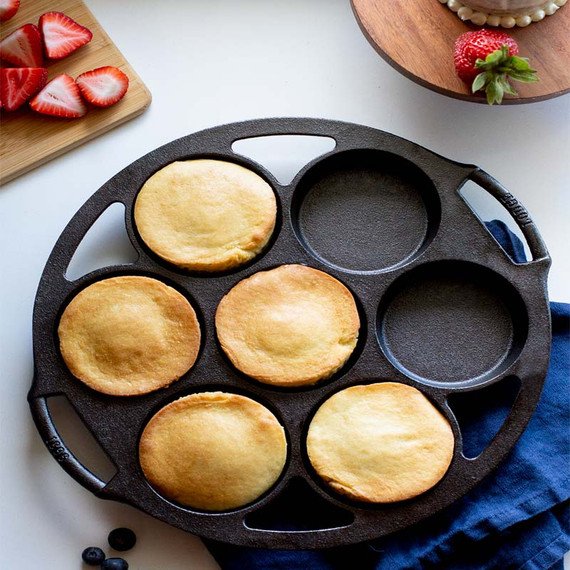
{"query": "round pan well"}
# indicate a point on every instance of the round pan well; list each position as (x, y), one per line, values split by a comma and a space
(365, 210)
(452, 322)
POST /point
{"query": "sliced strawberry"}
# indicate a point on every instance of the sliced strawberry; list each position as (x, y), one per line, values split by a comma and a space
(103, 86)
(18, 84)
(60, 98)
(61, 34)
(23, 47)
(8, 9)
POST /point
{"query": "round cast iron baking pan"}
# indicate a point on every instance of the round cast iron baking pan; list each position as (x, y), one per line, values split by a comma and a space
(443, 308)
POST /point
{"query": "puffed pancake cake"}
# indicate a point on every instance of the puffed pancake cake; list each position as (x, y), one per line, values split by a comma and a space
(213, 451)
(205, 215)
(289, 326)
(380, 443)
(126, 336)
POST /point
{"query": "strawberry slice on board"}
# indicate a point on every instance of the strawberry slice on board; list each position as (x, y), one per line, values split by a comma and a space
(8, 9)
(62, 35)
(103, 86)
(18, 84)
(23, 47)
(60, 98)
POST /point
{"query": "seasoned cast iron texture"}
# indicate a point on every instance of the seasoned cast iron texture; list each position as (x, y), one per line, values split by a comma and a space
(443, 309)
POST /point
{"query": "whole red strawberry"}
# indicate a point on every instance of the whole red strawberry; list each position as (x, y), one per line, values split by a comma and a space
(471, 46)
(486, 59)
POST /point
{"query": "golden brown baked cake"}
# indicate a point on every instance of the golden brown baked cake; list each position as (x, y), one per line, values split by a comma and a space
(213, 451)
(205, 215)
(290, 326)
(380, 443)
(129, 335)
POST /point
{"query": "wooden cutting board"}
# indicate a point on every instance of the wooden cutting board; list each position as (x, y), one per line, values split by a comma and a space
(417, 37)
(28, 139)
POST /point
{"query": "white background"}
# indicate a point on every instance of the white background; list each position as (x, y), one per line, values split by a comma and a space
(208, 63)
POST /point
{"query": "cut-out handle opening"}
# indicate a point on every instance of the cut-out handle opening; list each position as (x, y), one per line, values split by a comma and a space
(106, 243)
(481, 413)
(298, 508)
(284, 155)
(82, 439)
(475, 192)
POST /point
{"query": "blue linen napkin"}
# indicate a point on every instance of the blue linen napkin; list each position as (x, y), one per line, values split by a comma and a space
(516, 518)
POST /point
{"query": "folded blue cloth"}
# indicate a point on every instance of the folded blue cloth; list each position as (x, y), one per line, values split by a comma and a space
(517, 517)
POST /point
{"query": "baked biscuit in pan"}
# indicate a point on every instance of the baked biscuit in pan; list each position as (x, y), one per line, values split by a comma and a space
(380, 443)
(129, 335)
(205, 215)
(289, 326)
(213, 451)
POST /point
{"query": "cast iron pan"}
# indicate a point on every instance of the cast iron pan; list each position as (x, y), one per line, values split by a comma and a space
(443, 309)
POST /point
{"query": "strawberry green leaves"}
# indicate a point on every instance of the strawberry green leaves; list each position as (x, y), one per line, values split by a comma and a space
(496, 70)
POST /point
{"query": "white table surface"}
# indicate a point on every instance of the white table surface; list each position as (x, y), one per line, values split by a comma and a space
(208, 63)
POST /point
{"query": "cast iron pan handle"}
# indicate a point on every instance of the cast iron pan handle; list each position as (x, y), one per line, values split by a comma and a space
(516, 210)
(52, 440)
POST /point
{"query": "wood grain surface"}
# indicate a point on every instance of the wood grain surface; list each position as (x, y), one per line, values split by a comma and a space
(27, 138)
(417, 37)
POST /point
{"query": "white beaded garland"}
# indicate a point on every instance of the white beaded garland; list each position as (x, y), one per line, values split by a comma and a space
(523, 21)
(478, 18)
(505, 20)
(465, 13)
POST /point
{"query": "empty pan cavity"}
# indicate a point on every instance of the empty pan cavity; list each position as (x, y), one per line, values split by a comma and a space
(365, 210)
(452, 323)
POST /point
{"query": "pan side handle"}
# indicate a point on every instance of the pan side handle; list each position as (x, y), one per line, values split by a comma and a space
(517, 211)
(60, 452)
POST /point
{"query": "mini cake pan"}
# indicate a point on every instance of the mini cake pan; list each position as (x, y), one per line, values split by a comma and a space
(443, 308)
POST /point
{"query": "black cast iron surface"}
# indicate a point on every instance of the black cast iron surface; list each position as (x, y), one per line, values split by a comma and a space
(442, 308)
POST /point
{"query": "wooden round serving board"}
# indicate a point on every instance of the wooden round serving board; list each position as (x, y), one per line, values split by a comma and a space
(417, 37)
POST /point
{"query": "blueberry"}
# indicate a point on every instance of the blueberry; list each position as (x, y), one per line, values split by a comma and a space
(115, 564)
(93, 556)
(122, 539)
